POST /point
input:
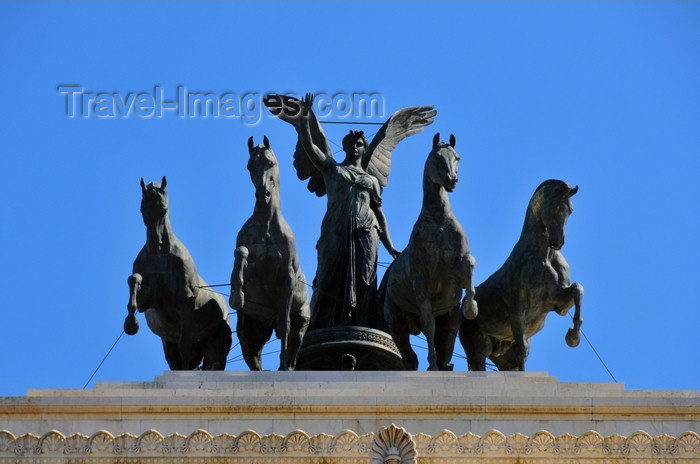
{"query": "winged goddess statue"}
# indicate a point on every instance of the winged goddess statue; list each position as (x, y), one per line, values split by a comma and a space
(345, 286)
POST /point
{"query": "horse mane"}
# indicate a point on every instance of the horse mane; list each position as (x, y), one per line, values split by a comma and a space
(552, 183)
(544, 190)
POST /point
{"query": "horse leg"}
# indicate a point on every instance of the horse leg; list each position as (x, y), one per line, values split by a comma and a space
(172, 355)
(573, 335)
(446, 326)
(252, 334)
(400, 333)
(564, 299)
(211, 319)
(282, 328)
(477, 346)
(131, 323)
(185, 341)
(299, 322)
(469, 307)
(506, 359)
(521, 345)
(237, 298)
(427, 322)
(217, 348)
(197, 360)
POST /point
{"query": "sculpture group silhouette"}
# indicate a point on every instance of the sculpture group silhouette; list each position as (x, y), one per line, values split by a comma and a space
(428, 288)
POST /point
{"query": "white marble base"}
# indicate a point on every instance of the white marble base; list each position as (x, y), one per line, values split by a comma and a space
(232, 402)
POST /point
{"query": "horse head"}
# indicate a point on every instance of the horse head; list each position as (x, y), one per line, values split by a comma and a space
(264, 171)
(551, 202)
(442, 164)
(154, 209)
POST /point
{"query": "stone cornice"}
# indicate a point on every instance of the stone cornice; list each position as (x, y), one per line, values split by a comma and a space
(346, 447)
(339, 408)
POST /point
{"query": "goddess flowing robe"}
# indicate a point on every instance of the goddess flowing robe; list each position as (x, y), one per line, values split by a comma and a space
(345, 286)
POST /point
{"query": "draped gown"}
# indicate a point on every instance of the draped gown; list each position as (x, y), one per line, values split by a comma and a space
(345, 286)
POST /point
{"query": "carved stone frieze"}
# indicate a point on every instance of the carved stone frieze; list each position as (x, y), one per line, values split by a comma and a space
(348, 447)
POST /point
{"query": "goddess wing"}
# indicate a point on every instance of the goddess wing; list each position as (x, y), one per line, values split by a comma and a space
(405, 122)
(289, 109)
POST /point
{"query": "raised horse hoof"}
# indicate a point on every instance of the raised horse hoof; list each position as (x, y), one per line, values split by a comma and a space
(131, 325)
(573, 337)
(470, 311)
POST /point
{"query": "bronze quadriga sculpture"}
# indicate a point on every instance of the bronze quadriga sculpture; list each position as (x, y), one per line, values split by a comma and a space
(534, 280)
(423, 287)
(268, 288)
(191, 319)
(428, 288)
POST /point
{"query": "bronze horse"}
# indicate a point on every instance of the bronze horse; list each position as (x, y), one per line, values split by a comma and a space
(268, 288)
(191, 320)
(534, 280)
(423, 287)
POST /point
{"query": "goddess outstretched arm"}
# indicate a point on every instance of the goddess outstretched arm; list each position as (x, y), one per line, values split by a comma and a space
(317, 157)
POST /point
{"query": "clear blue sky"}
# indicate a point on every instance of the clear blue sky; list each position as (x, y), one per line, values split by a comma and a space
(601, 95)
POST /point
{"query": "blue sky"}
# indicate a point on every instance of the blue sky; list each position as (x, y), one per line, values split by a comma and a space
(601, 95)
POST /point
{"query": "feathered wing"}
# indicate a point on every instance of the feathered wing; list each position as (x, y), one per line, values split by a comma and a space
(405, 122)
(289, 109)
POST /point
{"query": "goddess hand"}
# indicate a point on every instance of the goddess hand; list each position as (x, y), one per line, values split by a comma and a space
(306, 104)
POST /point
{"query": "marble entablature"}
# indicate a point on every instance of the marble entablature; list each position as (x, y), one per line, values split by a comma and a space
(351, 417)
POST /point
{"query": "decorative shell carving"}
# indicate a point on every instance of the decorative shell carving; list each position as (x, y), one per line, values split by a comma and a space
(517, 444)
(150, 441)
(394, 445)
(663, 444)
(223, 444)
(101, 442)
(639, 443)
(199, 442)
(295, 442)
(321, 444)
(493, 442)
(686, 445)
(467, 444)
(541, 443)
(248, 441)
(590, 444)
(52, 442)
(344, 442)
